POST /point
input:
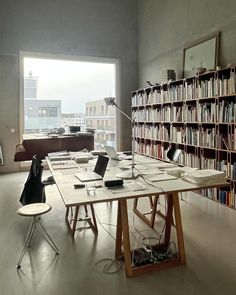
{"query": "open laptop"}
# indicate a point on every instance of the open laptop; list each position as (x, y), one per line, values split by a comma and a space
(173, 154)
(98, 173)
(111, 152)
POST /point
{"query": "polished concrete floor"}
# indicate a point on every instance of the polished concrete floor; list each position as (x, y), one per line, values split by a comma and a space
(210, 241)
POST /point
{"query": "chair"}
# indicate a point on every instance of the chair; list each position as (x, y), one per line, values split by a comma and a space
(35, 210)
(33, 191)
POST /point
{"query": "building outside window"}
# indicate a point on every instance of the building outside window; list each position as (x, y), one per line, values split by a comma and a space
(103, 123)
(50, 103)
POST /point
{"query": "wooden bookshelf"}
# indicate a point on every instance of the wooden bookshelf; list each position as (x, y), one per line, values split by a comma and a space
(196, 115)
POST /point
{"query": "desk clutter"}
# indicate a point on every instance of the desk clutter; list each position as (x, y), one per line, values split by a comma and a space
(79, 157)
(155, 178)
(83, 161)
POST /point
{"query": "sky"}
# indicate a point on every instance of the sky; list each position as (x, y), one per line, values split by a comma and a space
(72, 82)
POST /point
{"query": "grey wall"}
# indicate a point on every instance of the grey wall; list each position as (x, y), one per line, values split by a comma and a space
(99, 28)
(167, 27)
(9, 110)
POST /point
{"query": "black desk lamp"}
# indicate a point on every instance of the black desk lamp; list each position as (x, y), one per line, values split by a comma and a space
(130, 174)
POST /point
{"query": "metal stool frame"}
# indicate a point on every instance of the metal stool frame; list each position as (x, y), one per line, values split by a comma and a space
(36, 221)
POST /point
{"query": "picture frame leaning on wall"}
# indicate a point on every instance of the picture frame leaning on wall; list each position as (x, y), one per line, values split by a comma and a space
(202, 54)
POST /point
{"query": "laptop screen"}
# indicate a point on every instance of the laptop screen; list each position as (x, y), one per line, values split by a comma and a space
(101, 165)
(111, 152)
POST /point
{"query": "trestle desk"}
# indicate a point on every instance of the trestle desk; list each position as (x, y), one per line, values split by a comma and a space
(74, 198)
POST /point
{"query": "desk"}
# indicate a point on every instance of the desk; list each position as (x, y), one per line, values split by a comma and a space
(72, 197)
(43, 145)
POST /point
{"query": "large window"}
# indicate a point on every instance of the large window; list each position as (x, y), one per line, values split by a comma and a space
(63, 93)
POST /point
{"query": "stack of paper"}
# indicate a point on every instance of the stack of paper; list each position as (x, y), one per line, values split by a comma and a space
(59, 156)
(204, 176)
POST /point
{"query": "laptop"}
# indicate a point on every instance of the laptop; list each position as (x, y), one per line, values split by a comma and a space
(173, 154)
(111, 152)
(98, 173)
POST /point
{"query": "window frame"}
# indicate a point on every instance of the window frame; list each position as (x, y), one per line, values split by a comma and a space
(116, 62)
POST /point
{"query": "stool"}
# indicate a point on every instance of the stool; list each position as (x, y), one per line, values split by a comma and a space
(35, 210)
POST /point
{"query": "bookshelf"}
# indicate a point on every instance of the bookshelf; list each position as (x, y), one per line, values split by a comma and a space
(196, 115)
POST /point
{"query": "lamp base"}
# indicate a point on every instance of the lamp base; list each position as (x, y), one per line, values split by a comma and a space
(127, 174)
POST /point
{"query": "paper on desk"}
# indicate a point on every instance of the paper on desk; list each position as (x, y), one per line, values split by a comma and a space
(127, 187)
(150, 171)
(162, 165)
(64, 165)
(135, 185)
(69, 171)
(160, 177)
(119, 189)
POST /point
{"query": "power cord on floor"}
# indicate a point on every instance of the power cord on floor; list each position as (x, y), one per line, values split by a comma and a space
(113, 262)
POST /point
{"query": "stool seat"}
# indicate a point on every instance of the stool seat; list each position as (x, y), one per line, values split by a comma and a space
(34, 209)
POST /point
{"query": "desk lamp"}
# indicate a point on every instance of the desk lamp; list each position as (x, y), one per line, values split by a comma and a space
(130, 174)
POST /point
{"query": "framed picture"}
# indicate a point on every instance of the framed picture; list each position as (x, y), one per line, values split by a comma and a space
(202, 54)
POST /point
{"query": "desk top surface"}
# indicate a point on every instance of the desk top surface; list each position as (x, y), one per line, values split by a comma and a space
(64, 176)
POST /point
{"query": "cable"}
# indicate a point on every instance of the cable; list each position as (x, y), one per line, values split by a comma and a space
(107, 267)
(104, 227)
(148, 181)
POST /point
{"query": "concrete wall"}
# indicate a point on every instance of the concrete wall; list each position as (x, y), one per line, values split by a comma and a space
(9, 110)
(167, 27)
(97, 28)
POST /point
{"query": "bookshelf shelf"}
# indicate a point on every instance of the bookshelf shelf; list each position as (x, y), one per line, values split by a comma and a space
(196, 115)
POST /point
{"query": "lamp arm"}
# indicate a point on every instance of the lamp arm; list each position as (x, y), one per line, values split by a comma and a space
(132, 147)
(128, 117)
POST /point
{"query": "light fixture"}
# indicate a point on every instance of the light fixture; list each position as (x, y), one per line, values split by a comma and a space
(129, 174)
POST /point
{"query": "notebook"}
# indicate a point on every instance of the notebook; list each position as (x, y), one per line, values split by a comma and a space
(111, 152)
(99, 170)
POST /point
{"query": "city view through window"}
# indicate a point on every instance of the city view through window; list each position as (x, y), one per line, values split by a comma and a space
(67, 97)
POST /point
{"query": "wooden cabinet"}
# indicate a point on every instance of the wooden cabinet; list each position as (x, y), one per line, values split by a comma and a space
(41, 146)
(196, 115)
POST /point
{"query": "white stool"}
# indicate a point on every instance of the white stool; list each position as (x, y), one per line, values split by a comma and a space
(35, 210)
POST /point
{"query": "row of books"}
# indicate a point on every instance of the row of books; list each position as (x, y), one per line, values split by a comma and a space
(224, 112)
(227, 111)
(153, 132)
(206, 112)
(153, 150)
(205, 137)
(157, 150)
(226, 141)
(207, 163)
(207, 88)
(201, 136)
(216, 86)
(227, 167)
(226, 85)
(225, 197)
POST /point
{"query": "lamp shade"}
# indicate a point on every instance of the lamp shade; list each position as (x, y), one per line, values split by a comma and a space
(110, 100)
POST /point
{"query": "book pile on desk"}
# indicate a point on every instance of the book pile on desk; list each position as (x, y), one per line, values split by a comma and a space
(207, 176)
(59, 156)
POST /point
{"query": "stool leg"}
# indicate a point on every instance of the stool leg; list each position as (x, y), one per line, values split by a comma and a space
(48, 239)
(31, 238)
(27, 242)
